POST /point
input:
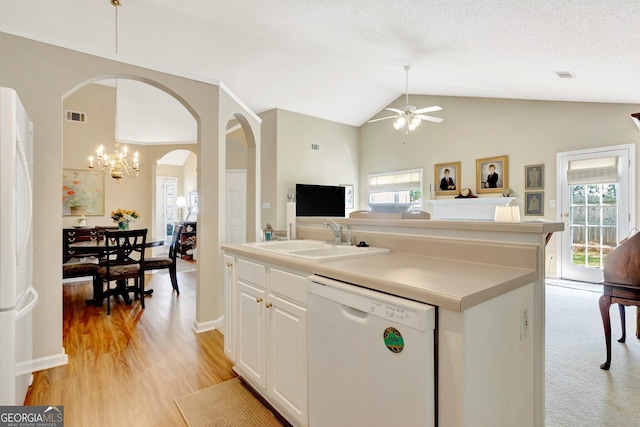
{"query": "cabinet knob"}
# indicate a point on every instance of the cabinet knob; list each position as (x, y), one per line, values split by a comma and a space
(258, 299)
(269, 305)
(229, 264)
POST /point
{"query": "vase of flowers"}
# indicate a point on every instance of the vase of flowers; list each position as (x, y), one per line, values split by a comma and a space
(123, 217)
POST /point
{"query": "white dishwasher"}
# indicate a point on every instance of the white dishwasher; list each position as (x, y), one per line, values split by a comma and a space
(371, 357)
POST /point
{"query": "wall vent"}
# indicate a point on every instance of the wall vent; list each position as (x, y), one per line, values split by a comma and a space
(315, 147)
(565, 74)
(74, 116)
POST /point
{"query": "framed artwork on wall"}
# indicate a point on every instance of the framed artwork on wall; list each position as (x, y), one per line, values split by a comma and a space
(348, 195)
(82, 193)
(534, 177)
(446, 177)
(534, 203)
(492, 174)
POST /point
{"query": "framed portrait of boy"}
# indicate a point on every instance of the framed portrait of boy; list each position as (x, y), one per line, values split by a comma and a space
(534, 203)
(492, 174)
(534, 177)
(446, 178)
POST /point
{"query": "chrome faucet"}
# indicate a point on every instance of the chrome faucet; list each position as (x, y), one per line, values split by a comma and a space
(336, 229)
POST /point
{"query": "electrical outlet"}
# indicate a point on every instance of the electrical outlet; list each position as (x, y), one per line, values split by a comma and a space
(524, 323)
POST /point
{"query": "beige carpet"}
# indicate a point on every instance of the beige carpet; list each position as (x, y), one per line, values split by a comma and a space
(578, 392)
(227, 404)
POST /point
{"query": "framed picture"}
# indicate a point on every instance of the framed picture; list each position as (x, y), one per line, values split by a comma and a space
(82, 192)
(446, 177)
(492, 174)
(534, 203)
(193, 206)
(534, 177)
(348, 195)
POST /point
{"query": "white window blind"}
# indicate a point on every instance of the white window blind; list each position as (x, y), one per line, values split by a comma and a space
(593, 171)
(396, 181)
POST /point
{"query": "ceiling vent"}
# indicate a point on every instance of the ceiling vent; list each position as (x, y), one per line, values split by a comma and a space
(315, 147)
(565, 75)
(74, 116)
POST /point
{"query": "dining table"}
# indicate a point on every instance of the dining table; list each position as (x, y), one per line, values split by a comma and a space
(99, 245)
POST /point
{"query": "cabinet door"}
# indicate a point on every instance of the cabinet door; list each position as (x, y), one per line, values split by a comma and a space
(251, 329)
(229, 306)
(287, 371)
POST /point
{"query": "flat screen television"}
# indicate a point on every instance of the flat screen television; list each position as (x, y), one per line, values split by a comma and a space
(319, 200)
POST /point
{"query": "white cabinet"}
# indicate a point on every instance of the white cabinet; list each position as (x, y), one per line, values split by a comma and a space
(250, 321)
(229, 306)
(287, 342)
(269, 330)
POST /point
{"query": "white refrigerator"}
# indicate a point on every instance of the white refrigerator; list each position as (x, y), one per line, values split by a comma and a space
(17, 295)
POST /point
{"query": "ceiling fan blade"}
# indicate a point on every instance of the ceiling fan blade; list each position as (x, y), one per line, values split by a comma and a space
(382, 118)
(428, 110)
(429, 118)
(395, 110)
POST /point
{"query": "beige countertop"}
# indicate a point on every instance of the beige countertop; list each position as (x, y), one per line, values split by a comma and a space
(450, 284)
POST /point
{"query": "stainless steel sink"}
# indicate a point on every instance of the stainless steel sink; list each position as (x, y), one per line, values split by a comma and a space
(316, 250)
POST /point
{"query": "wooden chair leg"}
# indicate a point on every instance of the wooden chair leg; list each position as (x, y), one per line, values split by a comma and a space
(623, 322)
(140, 288)
(174, 280)
(605, 304)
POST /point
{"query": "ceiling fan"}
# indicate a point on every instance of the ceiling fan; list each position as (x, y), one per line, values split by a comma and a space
(408, 117)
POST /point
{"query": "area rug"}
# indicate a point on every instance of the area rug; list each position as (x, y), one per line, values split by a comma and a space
(227, 404)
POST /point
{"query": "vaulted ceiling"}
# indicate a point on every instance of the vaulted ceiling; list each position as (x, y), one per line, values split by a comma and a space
(343, 60)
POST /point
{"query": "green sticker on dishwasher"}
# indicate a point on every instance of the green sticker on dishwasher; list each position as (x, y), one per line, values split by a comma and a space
(393, 339)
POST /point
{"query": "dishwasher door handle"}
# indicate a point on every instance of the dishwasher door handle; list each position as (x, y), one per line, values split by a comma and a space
(354, 314)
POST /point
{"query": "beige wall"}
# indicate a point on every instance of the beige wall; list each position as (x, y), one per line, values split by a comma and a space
(43, 76)
(529, 132)
(288, 159)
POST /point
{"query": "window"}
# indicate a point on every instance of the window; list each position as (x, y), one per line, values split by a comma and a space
(396, 187)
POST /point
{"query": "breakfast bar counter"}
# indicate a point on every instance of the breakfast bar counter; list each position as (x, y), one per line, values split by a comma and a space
(486, 280)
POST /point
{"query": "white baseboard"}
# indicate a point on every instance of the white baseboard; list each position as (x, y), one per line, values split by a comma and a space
(47, 362)
(211, 325)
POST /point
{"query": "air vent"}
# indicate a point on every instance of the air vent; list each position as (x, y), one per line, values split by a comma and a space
(565, 74)
(74, 116)
(315, 147)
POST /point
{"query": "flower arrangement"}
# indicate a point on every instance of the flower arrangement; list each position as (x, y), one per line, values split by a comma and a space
(123, 217)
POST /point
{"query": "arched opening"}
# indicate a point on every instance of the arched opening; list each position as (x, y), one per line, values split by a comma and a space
(240, 173)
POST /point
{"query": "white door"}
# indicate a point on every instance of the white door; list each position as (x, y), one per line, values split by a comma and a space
(166, 194)
(251, 328)
(597, 200)
(236, 201)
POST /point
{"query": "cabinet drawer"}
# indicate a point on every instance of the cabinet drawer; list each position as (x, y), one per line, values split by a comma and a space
(288, 285)
(251, 272)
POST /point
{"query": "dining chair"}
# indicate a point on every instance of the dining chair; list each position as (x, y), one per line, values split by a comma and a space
(123, 259)
(159, 263)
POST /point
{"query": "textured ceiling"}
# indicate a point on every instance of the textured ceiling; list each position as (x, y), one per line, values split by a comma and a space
(343, 60)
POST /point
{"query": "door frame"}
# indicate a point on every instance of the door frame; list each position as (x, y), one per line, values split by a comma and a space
(561, 183)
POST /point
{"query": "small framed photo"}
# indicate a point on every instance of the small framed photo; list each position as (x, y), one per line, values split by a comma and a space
(492, 174)
(348, 195)
(446, 177)
(534, 177)
(534, 203)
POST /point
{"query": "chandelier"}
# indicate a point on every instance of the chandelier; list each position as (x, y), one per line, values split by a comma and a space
(117, 163)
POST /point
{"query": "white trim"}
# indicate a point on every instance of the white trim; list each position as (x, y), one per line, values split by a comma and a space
(199, 327)
(46, 362)
(233, 96)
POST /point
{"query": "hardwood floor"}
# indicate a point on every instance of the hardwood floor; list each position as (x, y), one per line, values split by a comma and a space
(126, 369)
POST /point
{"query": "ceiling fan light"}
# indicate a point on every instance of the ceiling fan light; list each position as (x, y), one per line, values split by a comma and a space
(399, 124)
(412, 126)
(416, 121)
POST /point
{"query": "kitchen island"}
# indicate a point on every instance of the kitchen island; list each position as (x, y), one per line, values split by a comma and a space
(487, 280)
